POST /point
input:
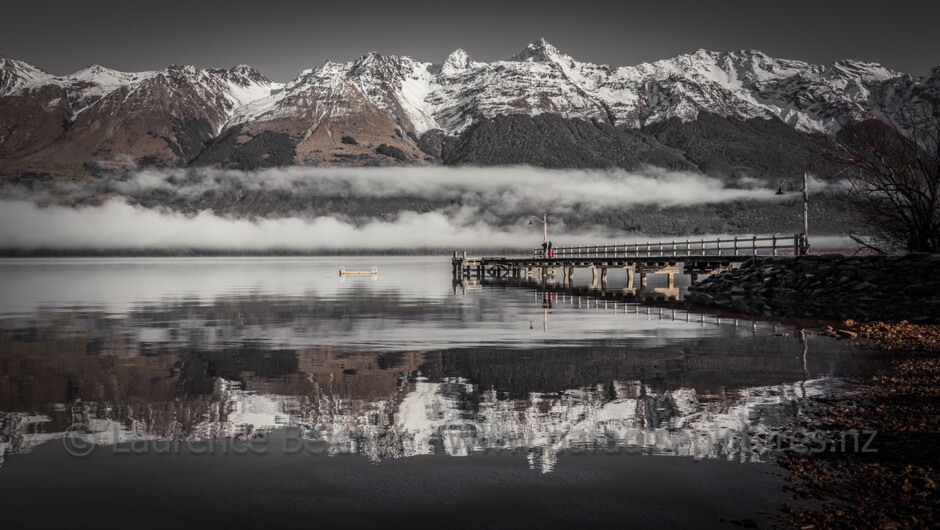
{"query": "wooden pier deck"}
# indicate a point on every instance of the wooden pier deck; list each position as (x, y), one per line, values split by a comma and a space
(691, 257)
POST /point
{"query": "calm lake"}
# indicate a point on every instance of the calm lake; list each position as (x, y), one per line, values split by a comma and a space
(262, 391)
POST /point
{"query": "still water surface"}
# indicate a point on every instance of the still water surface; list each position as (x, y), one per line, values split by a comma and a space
(271, 390)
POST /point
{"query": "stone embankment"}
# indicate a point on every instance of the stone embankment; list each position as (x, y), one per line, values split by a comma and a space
(887, 288)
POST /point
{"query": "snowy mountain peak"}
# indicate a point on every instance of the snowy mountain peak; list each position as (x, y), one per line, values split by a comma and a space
(246, 70)
(539, 51)
(456, 62)
(245, 75)
(368, 58)
(14, 75)
(104, 77)
(181, 69)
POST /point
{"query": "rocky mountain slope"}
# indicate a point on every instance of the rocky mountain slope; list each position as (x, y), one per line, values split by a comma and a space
(540, 107)
(99, 119)
(14, 75)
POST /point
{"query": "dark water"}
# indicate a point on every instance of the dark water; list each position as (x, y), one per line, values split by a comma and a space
(262, 391)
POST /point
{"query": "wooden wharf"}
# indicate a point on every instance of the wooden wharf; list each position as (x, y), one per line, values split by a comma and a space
(690, 257)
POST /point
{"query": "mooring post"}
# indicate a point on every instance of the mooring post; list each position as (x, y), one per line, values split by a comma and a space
(672, 280)
(630, 278)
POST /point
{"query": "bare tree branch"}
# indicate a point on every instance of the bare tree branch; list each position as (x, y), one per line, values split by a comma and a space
(893, 172)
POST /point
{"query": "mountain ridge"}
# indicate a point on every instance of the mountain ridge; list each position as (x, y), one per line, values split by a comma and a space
(344, 113)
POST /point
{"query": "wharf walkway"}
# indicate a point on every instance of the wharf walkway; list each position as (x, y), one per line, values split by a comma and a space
(693, 257)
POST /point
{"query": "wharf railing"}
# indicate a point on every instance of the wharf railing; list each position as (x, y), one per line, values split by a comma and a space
(772, 245)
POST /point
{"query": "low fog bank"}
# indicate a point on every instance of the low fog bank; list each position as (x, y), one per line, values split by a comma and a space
(499, 193)
(117, 225)
(311, 210)
(506, 187)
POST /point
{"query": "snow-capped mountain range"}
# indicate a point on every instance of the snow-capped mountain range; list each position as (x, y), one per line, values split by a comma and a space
(343, 113)
(540, 79)
(93, 85)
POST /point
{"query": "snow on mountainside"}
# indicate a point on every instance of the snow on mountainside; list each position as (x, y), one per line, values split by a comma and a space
(745, 84)
(14, 75)
(390, 109)
(396, 85)
(228, 89)
(538, 80)
(98, 117)
(541, 79)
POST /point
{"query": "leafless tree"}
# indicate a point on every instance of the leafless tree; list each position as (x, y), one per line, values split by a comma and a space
(891, 174)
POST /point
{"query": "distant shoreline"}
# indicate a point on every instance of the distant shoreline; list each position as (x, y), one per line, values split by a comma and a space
(211, 253)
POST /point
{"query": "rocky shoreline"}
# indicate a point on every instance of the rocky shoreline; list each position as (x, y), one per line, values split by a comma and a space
(865, 288)
(880, 466)
(875, 461)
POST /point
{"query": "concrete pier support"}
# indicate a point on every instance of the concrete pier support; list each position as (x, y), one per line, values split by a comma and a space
(485, 268)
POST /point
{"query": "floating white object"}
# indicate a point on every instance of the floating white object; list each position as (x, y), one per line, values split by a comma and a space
(344, 272)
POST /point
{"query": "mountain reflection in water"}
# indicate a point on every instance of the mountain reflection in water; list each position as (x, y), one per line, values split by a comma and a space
(392, 367)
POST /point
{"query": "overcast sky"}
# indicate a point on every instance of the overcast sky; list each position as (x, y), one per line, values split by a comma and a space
(282, 38)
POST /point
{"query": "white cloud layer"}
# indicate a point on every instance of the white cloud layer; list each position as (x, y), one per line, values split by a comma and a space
(509, 187)
(469, 198)
(118, 225)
